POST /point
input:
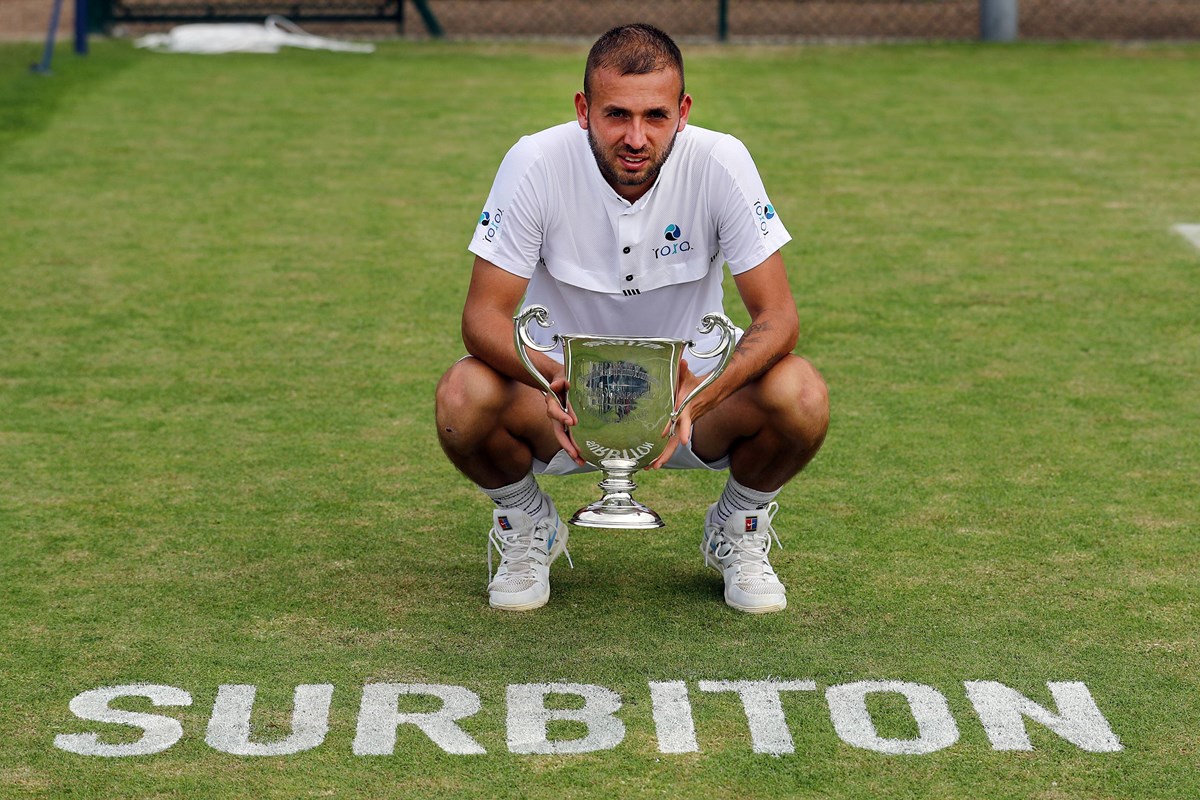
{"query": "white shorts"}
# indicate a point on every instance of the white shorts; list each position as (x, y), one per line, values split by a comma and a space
(682, 458)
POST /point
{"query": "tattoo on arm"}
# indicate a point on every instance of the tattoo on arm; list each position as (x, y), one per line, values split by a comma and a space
(750, 342)
(751, 338)
(756, 329)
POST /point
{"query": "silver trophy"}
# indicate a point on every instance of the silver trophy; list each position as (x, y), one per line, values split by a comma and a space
(622, 390)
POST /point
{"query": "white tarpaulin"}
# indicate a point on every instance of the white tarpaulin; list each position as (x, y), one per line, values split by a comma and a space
(269, 37)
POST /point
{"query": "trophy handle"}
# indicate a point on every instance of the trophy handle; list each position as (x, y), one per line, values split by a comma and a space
(726, 347)
(522, 339)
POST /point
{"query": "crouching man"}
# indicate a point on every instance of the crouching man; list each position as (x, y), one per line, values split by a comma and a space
(621, 223)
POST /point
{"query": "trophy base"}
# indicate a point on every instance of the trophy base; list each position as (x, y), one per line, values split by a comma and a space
(623, 514)
(617, 509)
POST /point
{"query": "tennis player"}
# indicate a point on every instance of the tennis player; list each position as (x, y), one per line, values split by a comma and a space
(621, 222)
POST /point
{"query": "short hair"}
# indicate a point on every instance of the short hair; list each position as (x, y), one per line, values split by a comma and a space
(635, 49)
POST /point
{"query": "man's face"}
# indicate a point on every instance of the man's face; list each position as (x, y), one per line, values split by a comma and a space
(631, 122)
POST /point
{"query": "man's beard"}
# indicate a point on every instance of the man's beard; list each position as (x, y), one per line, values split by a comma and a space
(610, 170)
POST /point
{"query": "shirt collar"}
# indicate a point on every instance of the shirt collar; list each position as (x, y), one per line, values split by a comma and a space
(610, 194)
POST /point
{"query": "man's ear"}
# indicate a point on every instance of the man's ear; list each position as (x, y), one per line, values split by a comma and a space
(685, 108)
(581, 109)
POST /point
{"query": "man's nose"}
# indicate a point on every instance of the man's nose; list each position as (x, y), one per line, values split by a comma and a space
(635, 135)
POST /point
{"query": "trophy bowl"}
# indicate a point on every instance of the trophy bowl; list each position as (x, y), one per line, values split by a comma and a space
(622, 391)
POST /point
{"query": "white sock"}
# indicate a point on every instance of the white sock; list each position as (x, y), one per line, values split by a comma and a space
(740, 498)
(524, 495)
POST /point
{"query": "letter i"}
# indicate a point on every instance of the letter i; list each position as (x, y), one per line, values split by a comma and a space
(673, 717)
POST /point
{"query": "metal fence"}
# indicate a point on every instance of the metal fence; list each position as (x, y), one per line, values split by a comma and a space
(691, 19)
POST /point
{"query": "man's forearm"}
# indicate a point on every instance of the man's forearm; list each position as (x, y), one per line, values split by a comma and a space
(489, 337)
(764, 342)
(768, 338)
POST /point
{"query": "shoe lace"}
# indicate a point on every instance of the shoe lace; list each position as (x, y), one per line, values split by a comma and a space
(516, 550)
(750, 550)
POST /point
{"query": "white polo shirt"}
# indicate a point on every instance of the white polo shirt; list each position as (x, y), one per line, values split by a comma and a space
(602, 265)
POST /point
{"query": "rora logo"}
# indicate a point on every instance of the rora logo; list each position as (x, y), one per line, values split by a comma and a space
(491, 222)
(673, 234)
(764, 212)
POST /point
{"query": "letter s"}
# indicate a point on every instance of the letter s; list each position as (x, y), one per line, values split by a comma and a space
(159, 732)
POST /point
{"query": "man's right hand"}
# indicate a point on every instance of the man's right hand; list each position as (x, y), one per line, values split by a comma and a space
(562, 421)
(487, 328)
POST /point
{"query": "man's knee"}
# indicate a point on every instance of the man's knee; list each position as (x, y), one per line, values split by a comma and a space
(796, 397)
(470, 391)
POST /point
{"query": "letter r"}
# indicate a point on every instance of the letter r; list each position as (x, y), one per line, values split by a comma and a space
(378, 718)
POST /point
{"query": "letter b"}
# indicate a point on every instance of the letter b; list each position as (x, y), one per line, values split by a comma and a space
(528, 718)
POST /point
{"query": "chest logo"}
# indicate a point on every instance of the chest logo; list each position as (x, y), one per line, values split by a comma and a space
(672, 234)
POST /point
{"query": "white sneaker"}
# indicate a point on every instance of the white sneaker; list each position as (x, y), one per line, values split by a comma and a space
(738, 550)
(526, 548)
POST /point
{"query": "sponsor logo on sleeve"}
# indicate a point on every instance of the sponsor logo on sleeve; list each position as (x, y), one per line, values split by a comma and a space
(490, 222)
(765, 213)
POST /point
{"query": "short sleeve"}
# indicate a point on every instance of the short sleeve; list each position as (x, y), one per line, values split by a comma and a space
(509, 230)
(748, 227)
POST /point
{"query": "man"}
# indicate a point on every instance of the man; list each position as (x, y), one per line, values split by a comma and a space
(621, 223)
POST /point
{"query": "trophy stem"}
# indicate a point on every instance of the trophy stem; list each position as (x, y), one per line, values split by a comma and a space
(617, 509)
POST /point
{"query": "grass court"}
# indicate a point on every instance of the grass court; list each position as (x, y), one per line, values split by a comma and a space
(228, 286)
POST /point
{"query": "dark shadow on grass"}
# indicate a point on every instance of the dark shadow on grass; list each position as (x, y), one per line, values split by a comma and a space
(29, 102)
(651, 586)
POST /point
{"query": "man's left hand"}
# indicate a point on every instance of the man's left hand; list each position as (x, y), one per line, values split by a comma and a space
(682, 433)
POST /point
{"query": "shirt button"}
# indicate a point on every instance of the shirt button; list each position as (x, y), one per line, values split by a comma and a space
(628, 277)
(625, 250)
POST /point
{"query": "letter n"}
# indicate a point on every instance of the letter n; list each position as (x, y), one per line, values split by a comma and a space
(1002, 711)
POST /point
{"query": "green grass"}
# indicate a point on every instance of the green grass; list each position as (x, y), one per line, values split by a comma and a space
(230, 285)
